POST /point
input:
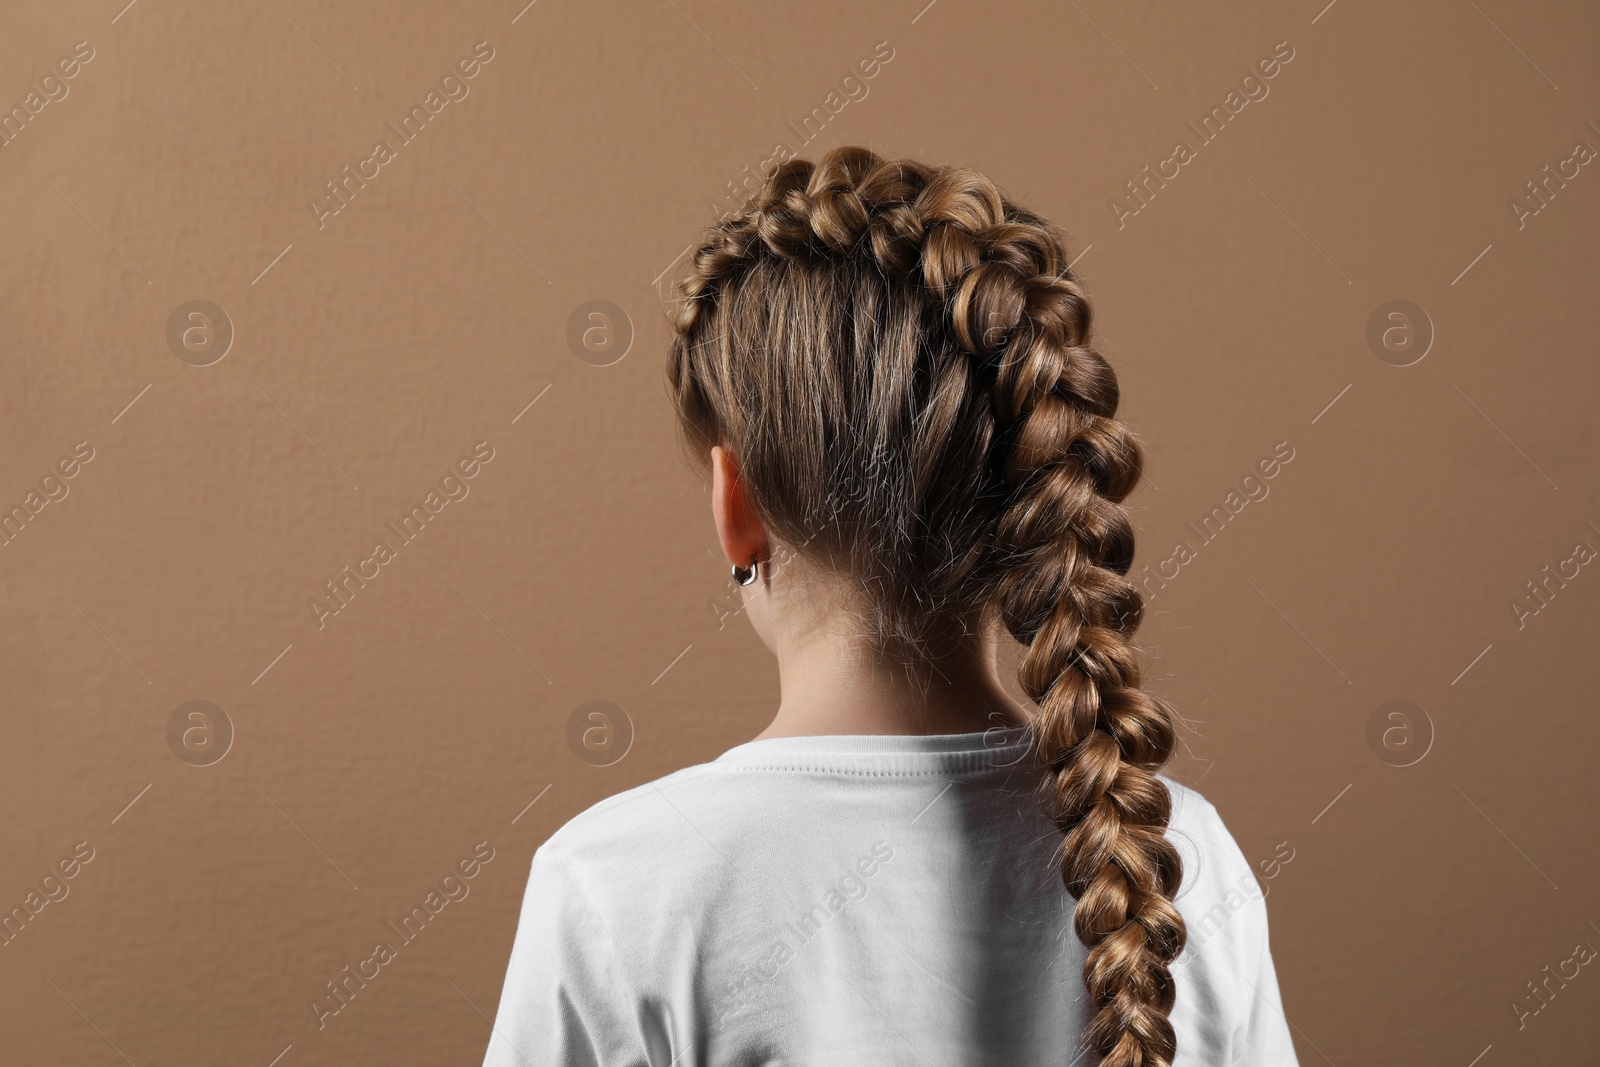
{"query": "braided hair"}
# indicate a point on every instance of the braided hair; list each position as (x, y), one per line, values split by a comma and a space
(900, 360)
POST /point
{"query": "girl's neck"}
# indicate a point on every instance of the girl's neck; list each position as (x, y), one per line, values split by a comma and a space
(833, 685)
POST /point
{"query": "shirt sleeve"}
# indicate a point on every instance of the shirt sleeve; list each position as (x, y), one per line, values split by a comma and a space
(564, 1003)
(1228, 1008)
(1265, 1039)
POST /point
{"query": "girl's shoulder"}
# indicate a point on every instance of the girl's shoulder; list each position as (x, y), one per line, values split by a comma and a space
(652, 831)
(710, 811)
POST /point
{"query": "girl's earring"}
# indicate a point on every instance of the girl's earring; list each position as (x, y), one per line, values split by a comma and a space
(746, 575)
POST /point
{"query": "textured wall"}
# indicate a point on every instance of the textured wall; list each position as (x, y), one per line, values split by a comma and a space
(190, 475)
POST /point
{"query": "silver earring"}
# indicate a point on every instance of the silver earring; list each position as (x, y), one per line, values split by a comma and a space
(746, 575)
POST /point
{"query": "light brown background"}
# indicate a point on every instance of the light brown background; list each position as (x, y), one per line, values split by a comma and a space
(426, 316)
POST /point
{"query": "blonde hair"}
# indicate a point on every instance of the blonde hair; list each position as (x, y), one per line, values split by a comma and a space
(900, 360)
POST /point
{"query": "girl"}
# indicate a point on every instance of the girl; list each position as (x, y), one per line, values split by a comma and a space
(886, 368)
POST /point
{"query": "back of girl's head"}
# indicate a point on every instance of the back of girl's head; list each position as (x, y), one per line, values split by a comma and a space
(900, 361)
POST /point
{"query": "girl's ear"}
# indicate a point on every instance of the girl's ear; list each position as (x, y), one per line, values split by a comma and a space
(739, 528)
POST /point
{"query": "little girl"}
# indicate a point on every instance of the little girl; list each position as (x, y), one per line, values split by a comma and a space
(887, 370)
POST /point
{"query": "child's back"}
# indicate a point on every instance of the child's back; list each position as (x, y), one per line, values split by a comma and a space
(854, 900)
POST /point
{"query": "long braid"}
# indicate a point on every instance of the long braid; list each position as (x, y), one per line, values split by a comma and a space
(1009, 495)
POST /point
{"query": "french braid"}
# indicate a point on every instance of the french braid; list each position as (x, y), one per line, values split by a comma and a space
(866, 313)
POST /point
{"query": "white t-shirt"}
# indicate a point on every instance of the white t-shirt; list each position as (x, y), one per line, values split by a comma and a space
(875, 900)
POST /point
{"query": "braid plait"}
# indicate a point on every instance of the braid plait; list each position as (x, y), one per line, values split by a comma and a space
(1016, 408)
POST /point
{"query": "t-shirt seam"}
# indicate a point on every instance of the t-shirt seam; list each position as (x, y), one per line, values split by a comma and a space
(857, 772)
(968, 762)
